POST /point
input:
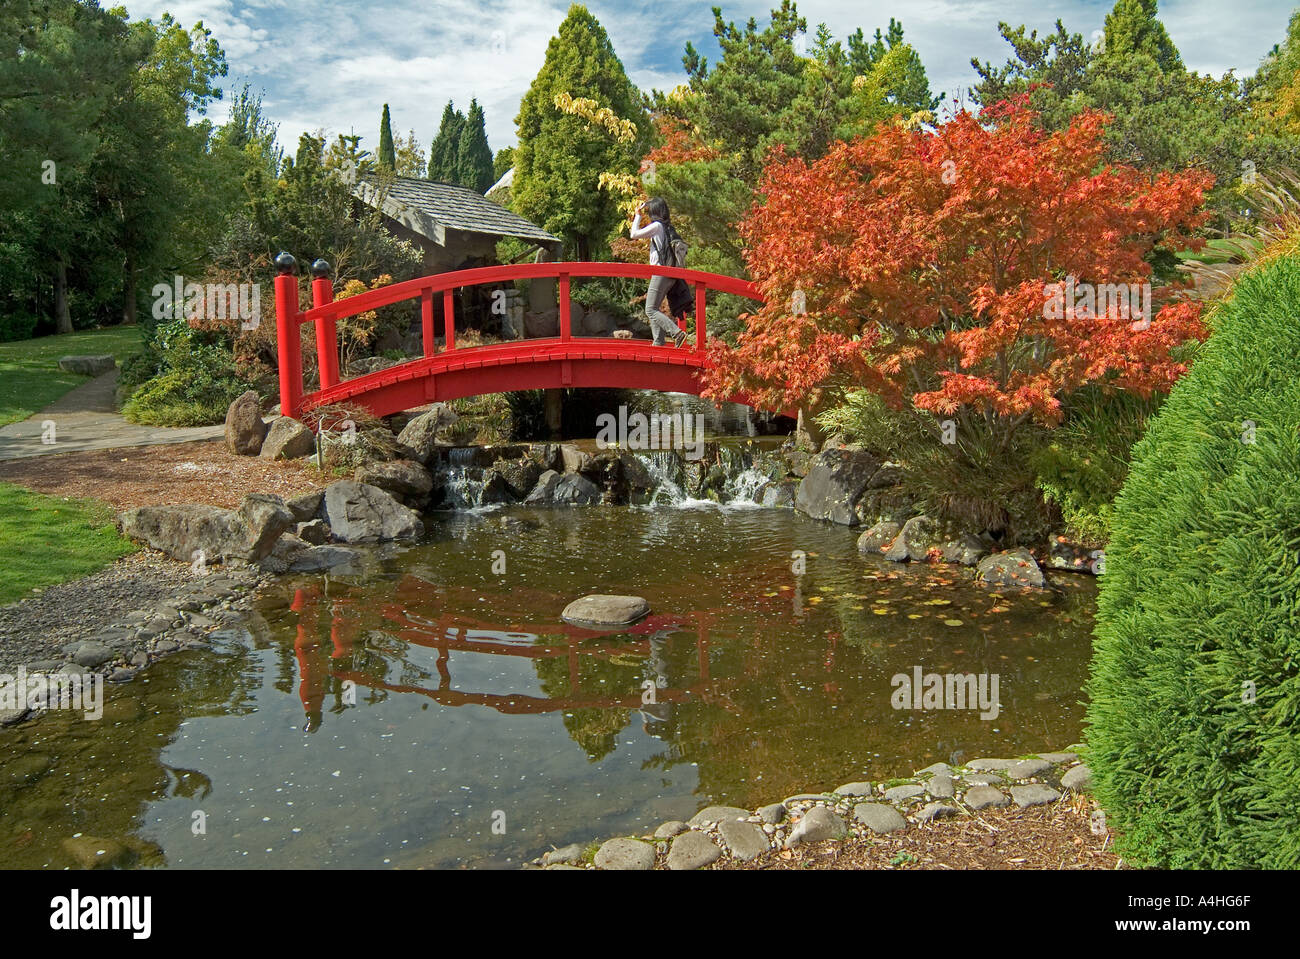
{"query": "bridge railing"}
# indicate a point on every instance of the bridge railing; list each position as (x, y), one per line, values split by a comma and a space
(326, 311)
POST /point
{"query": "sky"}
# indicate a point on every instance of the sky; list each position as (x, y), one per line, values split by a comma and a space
(333, 64)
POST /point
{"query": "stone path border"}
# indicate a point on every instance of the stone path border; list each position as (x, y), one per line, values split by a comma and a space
(858, 810)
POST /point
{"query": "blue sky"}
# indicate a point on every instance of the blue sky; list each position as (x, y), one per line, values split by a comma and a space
(332, 64)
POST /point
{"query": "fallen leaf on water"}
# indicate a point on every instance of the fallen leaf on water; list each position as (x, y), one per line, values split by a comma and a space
(913, 615)
(952, 622)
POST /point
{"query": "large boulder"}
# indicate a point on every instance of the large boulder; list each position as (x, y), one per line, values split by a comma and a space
(405, 479)
(245, 429)
(964, 549)
(835, 481)
(518, 476)
(87, 365)
(1015, 567)
(918, 536)
(569, 489)
(287, 439)
(424, 434)
(360, 513)
(595, 323)
(879, 537)
(189, 533)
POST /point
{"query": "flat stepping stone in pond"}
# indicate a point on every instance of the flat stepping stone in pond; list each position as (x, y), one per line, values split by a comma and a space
(717, 814)
(1034, 795)
(982, 797)
(625, 854)
(672, 828)
(1059, 757)
(936, 810)
(818, 824)
(984, 765)
(941, 787)
(772, 814)
(1029, 768)
(604, 610)
(745, 840)
(879, 818)
(1078, 778)
(904, 793)
(693, 850)
(853, 789)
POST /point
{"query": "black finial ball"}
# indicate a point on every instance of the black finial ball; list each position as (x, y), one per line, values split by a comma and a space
(285, 263)
(320, 269)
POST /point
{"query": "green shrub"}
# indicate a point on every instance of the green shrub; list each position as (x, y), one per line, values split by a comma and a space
(1201, 598)
(974, 482)
(1082, 464)
(181, 379)
(18, 325)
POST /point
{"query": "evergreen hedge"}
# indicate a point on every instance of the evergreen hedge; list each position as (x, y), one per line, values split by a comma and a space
(1200, 599)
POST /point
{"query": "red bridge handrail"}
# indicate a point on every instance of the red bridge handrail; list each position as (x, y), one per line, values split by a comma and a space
(327, 311)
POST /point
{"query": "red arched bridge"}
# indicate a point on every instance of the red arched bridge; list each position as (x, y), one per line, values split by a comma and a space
(454, 372)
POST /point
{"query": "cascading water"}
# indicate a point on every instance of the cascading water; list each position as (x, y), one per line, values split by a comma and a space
(464, 479)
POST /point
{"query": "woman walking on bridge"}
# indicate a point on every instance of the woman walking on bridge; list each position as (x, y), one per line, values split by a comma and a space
(659, 231)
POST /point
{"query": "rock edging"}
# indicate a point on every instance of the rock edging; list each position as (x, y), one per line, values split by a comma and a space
(857, 810)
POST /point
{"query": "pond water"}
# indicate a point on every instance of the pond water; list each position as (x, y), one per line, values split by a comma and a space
(436, 712)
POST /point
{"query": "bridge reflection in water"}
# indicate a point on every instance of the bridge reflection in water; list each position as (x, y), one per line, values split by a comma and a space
(350, 658)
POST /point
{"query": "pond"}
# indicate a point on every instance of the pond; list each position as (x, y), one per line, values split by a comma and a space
(435, 711)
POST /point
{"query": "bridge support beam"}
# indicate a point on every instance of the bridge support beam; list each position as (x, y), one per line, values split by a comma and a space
(554, 413)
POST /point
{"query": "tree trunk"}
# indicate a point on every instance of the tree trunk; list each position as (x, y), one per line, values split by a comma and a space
(128, 292)
(62, 316)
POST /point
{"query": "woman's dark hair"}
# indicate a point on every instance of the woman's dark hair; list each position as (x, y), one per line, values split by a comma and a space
(657, 209)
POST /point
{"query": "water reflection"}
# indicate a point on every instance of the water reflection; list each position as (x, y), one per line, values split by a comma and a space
(382, 720)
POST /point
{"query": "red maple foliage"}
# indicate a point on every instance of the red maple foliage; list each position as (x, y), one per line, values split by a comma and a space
(921, 265)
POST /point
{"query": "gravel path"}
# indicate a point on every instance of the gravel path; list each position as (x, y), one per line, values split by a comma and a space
(121, 618)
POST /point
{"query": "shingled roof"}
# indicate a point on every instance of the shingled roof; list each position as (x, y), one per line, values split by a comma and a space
(430, 208)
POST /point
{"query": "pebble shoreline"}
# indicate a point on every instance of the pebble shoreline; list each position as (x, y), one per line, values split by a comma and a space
(859, 810)
(118, 621)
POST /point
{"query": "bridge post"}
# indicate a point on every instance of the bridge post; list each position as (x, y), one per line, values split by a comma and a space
(449, 318)
(426, 322)
(700, 332)
(565, 313)
(287, 339)
(327, 342)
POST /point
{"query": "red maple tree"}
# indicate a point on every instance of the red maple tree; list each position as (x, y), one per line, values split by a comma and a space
(921, 265)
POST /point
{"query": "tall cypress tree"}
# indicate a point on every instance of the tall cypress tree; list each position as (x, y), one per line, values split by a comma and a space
(444, 152)
(387, 154)
(1133, 28)
(474, 156)
(560, 158)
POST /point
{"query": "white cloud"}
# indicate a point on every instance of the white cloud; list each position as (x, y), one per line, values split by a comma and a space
(332, 64)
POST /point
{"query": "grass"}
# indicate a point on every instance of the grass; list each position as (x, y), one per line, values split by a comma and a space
(30, 378)
(49, 539)
(1216, 251)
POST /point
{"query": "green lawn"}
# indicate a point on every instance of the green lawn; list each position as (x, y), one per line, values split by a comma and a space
(30, 378)
(48, 539)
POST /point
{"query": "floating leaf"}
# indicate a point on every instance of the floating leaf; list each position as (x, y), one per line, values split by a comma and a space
(952, 622)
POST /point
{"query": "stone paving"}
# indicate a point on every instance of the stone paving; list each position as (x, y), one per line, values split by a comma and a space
(859, 809)
(86, 419)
